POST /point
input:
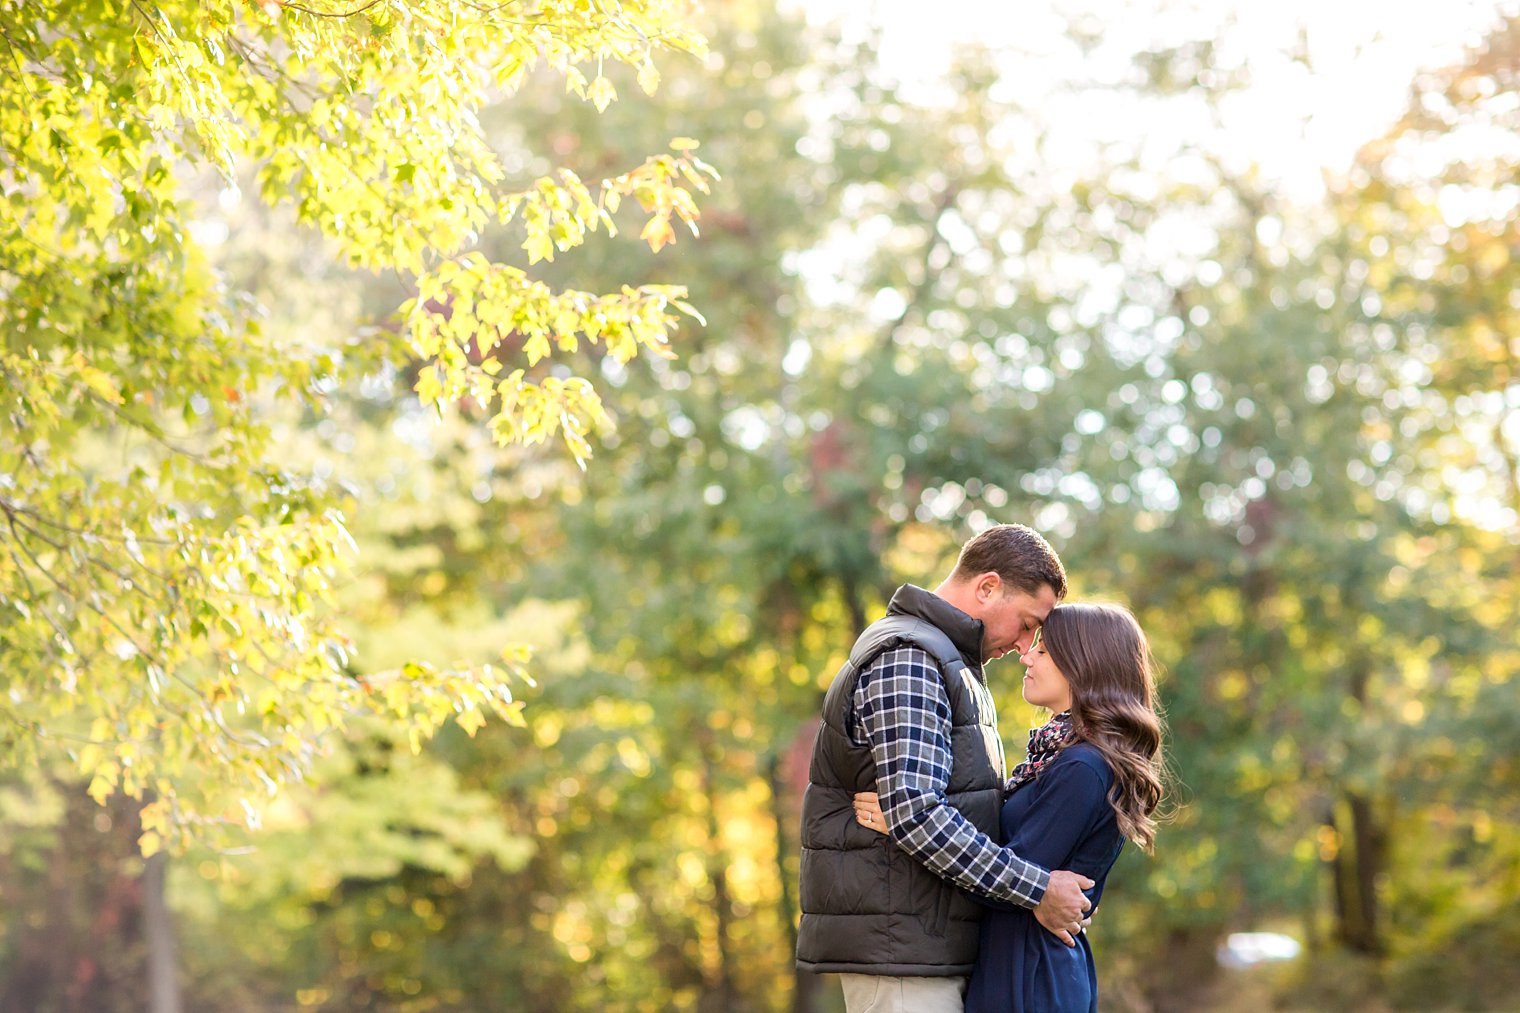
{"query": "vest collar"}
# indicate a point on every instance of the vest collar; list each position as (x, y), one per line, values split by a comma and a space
(964, 632)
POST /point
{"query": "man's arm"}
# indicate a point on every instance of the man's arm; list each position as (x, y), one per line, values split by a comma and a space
(903, 712)
(1063, 802)
(1061, 910)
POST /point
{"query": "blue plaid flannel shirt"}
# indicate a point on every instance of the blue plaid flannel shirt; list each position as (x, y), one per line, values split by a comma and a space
(901, 710)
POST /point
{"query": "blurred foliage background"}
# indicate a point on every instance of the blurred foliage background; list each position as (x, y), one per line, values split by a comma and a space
(1283, 426)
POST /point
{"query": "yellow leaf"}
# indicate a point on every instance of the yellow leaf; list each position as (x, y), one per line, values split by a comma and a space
(100, 383)
(471, 720)
(685, 144)
(601, 93)
(657, 233)
(539, 247)
(536, 348)
(150, 844)
(100, 788)
(649, 77)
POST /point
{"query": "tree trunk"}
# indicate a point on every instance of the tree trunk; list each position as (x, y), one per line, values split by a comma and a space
(1356, 868)
(81, 945)
(779, 812)
(1361, 854)
(1369, 839)
(857, 611)
(1186, 975)
(1341, 895)
(158, 931)
(721, 994)
(806, 986)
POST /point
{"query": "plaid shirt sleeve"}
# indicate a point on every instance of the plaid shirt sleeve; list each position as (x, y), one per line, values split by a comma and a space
(901, 710)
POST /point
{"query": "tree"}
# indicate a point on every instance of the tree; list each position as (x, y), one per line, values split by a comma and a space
(1221, 434)
(1208, 392)
(165, 578)
(1429, 226)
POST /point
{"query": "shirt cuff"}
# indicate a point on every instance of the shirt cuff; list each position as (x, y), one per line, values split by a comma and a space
(1036, 892)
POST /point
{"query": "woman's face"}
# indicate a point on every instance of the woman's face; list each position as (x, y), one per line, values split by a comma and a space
(1045, 685)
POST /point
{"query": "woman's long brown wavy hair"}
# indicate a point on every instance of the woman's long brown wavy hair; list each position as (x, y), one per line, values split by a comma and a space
(1103, 654)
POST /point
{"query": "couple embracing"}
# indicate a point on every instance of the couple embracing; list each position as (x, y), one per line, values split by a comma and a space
(930, 883)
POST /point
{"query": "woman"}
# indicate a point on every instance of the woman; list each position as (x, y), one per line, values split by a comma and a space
(1091, 780)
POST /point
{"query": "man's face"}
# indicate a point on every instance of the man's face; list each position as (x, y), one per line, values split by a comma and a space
(1010, 617)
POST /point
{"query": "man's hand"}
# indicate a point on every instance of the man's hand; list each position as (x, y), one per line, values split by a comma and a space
(1063, 906)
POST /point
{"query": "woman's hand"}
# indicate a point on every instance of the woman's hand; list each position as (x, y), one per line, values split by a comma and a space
(868, 811)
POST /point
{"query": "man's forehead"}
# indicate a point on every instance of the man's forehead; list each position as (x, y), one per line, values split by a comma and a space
(1042, 603)
(1032, 607)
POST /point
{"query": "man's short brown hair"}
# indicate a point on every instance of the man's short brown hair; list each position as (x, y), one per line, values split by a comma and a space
(1018, 555)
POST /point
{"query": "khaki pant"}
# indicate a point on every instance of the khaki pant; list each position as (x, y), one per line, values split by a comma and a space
(876, 993)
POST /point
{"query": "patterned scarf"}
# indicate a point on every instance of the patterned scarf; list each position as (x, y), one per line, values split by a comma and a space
(1044, 743)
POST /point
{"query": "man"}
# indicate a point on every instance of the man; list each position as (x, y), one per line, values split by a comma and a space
(910, 717)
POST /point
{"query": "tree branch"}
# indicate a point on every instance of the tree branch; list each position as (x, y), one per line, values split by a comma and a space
(338, 16)
(920, 291)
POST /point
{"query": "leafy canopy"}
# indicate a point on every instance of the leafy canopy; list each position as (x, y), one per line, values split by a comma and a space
(163, 574)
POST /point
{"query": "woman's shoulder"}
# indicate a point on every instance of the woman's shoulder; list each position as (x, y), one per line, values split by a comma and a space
(1086, 755)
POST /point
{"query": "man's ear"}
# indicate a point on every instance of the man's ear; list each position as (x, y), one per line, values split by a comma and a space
(988, 585)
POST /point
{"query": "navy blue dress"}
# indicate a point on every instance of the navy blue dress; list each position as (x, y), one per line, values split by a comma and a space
(1062, 820)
